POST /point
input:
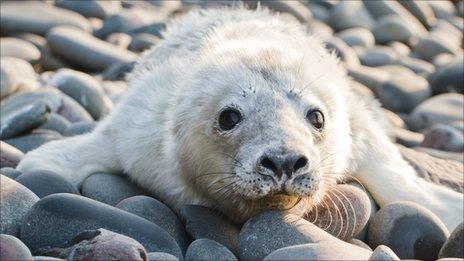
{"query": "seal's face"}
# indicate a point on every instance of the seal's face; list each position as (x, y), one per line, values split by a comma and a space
(272, 131)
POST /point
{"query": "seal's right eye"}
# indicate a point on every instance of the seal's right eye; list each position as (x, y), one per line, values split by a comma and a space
(229, 118)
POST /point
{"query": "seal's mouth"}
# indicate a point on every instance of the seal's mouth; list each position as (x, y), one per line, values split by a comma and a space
(280, 202)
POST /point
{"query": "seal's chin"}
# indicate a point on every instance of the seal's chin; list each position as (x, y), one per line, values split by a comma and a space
(280, 202)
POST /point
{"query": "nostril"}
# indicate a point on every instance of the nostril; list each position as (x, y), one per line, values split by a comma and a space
(300, 163)
(268, 164)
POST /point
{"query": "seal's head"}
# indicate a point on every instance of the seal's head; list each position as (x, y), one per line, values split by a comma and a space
(268, 129)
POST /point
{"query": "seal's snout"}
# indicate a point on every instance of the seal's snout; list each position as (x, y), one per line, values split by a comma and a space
(278, 165)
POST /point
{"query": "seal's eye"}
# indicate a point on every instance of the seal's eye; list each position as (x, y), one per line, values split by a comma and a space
(316, 118)
(229, 118)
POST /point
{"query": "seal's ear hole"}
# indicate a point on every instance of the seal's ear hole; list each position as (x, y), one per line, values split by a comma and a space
(229, 118)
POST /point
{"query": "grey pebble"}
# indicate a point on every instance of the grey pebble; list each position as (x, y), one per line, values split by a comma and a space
(158, 213)
(11, 248)
(295, 8)
(14, 47)
(378, 56)
(449, 77)
(348, 14)
(208, 250)
(371, 77)
(357, 36)
(443, 137)
(410, 230)
(33, 140)
(44, 183)
(431, 45)
(421, 10)
(57, 218)
(79, 128)
(343, 51)
(125, 21)
(359, 243)
(203, 222)
(121, 40)
(161, 256)
(118, 71)
(55, 122)
(91, 8)
(109, 188)
(392, 28)
(9, 155)
(143, 41)
(383, 252)
(87, 52)
(418, 66)
(13, 73)
(40, 19)
(454, 245)
(408, 138)
(73, 111)
(10, 172)
(15, 201)
(47, 258)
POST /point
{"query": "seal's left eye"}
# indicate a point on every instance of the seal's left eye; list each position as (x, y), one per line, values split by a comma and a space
(229, 118)
(316, 118)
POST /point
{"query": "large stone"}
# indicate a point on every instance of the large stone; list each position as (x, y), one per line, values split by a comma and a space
(432, 45)
(203, 222)
(12, 248)
(34, 140)
(349, 14)
(378, 56)
(208, 250)
(421, 10)
(158, 213)
(55, 122)
(9, 155)
(449, 78)
(44, 183)
(454, 245)
(84, 50)
(73, 111)
(409, 229)
(84, 89)
(14, 47)
(357, 36)
(392, 28)
(109, 188)
(57, 218)
(443, 108)
(10, 172)
(40, 18)
(13, 73)
(91, 8)
(125, 22)
(15, 201)
(443, 137)
(371, 77)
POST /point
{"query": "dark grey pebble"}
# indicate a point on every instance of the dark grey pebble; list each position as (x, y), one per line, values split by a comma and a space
(88, 51)
(409, 229)
(422, 11)
(378, 56)
(142, 42)
(158, 213)
(109, 188)
(91, 8)
(57, 218)
(118, 71)
(12, 248)
(9, 155)
(160, 256)
(21, 120)
(432, 45)
(208, 250)
(15, 201)
(349, 14)
(357, 36)
(449, 78)
(154, 29)
(10, 172)
(34, 140)
(14, 47)
(418, 66)
(203, 222)
(443, 137)
(383, 252)
(84, 89)
(99, 244)
(454, 245)
(124, 22)
(44, 183)
(73, 111)
(40, 19)
(55, 122)
(391, 28)
(78, 128)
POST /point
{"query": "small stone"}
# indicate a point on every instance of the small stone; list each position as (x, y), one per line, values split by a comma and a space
(99, 244)
(91, 8)
(454, 245)
(118, 71)
(431, 45)
(442, 9)
(34, 140)
(142, 42)
(203, 222)
(394, 119)
(153, 29)
(50, 96)
(443, 108)
(320, 30)
(383, 253)
(125, 21)
(343, 51)
(109, 188)
(449, 78)
(440, 154)
(319, 12)
(207, 249)
(408, 138)
(361, 89)
(426, 232)
(79, 128)
(359, 243)
(458, 125)
(57, 218)
(9, 155)
(73, 111)
(13, 73)
(392, 28)
(10, 172)
(14, 47)
(12, 248)
(40, 19)
(403, 92)
(44, 183)
(418, 66)
(371, 77)
(349, 14)
(160, 256)
(84, 50)
(46, 258)
(443, 137)
(23, 119)
(158, 213)
(357, 36)
(55, 122)
(421, 10)
(378, 56)
(15, 201)
(84, 89)
(121, 40)
(295, 8)
(323, 250)
(400, 48)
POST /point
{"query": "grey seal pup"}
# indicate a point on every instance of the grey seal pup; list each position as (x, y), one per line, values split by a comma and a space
(243, 110)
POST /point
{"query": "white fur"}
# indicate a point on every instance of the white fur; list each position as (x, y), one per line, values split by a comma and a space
(164, 132)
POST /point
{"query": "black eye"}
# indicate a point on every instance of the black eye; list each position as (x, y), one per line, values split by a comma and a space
(229, 118)
(316, 118)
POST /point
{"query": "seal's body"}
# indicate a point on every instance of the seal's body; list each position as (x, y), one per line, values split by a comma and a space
(243, 110)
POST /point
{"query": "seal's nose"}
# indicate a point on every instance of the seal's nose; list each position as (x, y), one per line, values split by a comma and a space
(283, 164)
